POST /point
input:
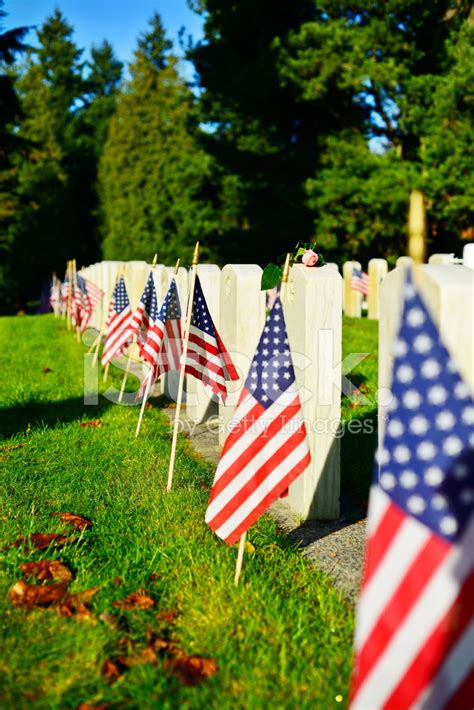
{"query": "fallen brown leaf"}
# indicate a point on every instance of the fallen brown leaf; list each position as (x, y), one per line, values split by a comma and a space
(94, 423)
(117, 581)
(30, 595)
(76, 604)
(46, 369)
(40, 541)
(191, 670)
(154, 576)
(167, 615)
(135, 600)
(88, 706)
(111, 671)
(10, 447)
(47, 569)
(77, 521)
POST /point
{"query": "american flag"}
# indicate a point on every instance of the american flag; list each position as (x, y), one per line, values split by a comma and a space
(360, 281)
(94, 292)
(267, 447)
(55, 294)
(81, 303)
(414, 634)
(118, 333)
(145, 313)
(163, 346)
(207, 358)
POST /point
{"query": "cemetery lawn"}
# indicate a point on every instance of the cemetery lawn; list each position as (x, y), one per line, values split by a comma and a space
(281, 639)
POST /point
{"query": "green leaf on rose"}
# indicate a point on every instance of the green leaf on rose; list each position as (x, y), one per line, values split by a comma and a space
(271, 276)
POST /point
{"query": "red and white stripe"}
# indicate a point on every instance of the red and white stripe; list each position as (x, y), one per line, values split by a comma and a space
(208, 360)
(163, 347)
(360, 283)
(94, 292)
(265, 451)
(413, 620)
(118, 335)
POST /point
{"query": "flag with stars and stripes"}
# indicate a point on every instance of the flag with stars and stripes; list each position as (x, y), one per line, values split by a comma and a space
(267, 447)
(207, 358)
(360, 281)
(94, 292)
(163, 346)
(118, 331)
(81, 304)
(145, 313)
(414, 632)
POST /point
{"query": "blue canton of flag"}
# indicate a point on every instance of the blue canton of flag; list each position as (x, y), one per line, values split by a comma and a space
(427, 462)
(271, 372)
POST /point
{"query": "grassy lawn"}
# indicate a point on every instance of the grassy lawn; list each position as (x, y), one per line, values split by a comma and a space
(282, 639)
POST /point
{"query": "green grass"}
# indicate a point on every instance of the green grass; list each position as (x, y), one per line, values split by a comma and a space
(281, 639)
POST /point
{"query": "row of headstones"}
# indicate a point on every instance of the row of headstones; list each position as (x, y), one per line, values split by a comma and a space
(313, 313)
(377, 270)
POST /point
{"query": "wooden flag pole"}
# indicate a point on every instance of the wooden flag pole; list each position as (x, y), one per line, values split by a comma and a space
(182, 368)
(129, 362)
(69, 295)
(243, 537)
(416, 233)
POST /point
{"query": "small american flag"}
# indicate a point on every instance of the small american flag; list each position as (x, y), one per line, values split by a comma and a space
(414, 633)
(55, 294)
(267, 447)
(207, 358)
(145, 313)
(360, 281)
(118, 334)
(94, 292)
(163, 346)
(82, 306)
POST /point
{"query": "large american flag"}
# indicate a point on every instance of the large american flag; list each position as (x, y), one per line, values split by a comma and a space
(118, 330)
(414, 633)
(360, 281)
(145, 313)
(267, 447)
(163, 346)
(207, 358)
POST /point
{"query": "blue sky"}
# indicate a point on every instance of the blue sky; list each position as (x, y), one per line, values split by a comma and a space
(118, 21)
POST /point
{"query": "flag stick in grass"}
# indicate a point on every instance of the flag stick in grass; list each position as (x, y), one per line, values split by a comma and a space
(76, 305)
(69, 295)
(243, 537)
(182, 368)
(130, 350)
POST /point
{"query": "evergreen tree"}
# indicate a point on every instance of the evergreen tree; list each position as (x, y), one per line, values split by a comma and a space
(401, 60)
(155, 187)
(262, 132)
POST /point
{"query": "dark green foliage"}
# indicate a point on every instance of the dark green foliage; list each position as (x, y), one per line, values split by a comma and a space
(155, 183)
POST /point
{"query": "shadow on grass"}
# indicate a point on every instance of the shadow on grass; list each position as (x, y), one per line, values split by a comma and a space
(37, 414)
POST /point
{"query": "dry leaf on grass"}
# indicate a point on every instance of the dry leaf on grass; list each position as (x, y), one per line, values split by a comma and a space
(93, 423)
(30, 595)
(135, 600)
(154, 576)
(40, 541)
(191, 670)
(47, 569)
(167, 615)
(111, 670)
(77, 521)
(76, 604)
(88, 706)
(10, 447)
(46, 369)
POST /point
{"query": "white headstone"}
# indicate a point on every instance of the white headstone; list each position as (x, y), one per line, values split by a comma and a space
(441, 259)
(313, 313)
(242, 316)
(468, 255)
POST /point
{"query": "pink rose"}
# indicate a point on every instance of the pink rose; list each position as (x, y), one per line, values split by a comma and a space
(310, 258)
